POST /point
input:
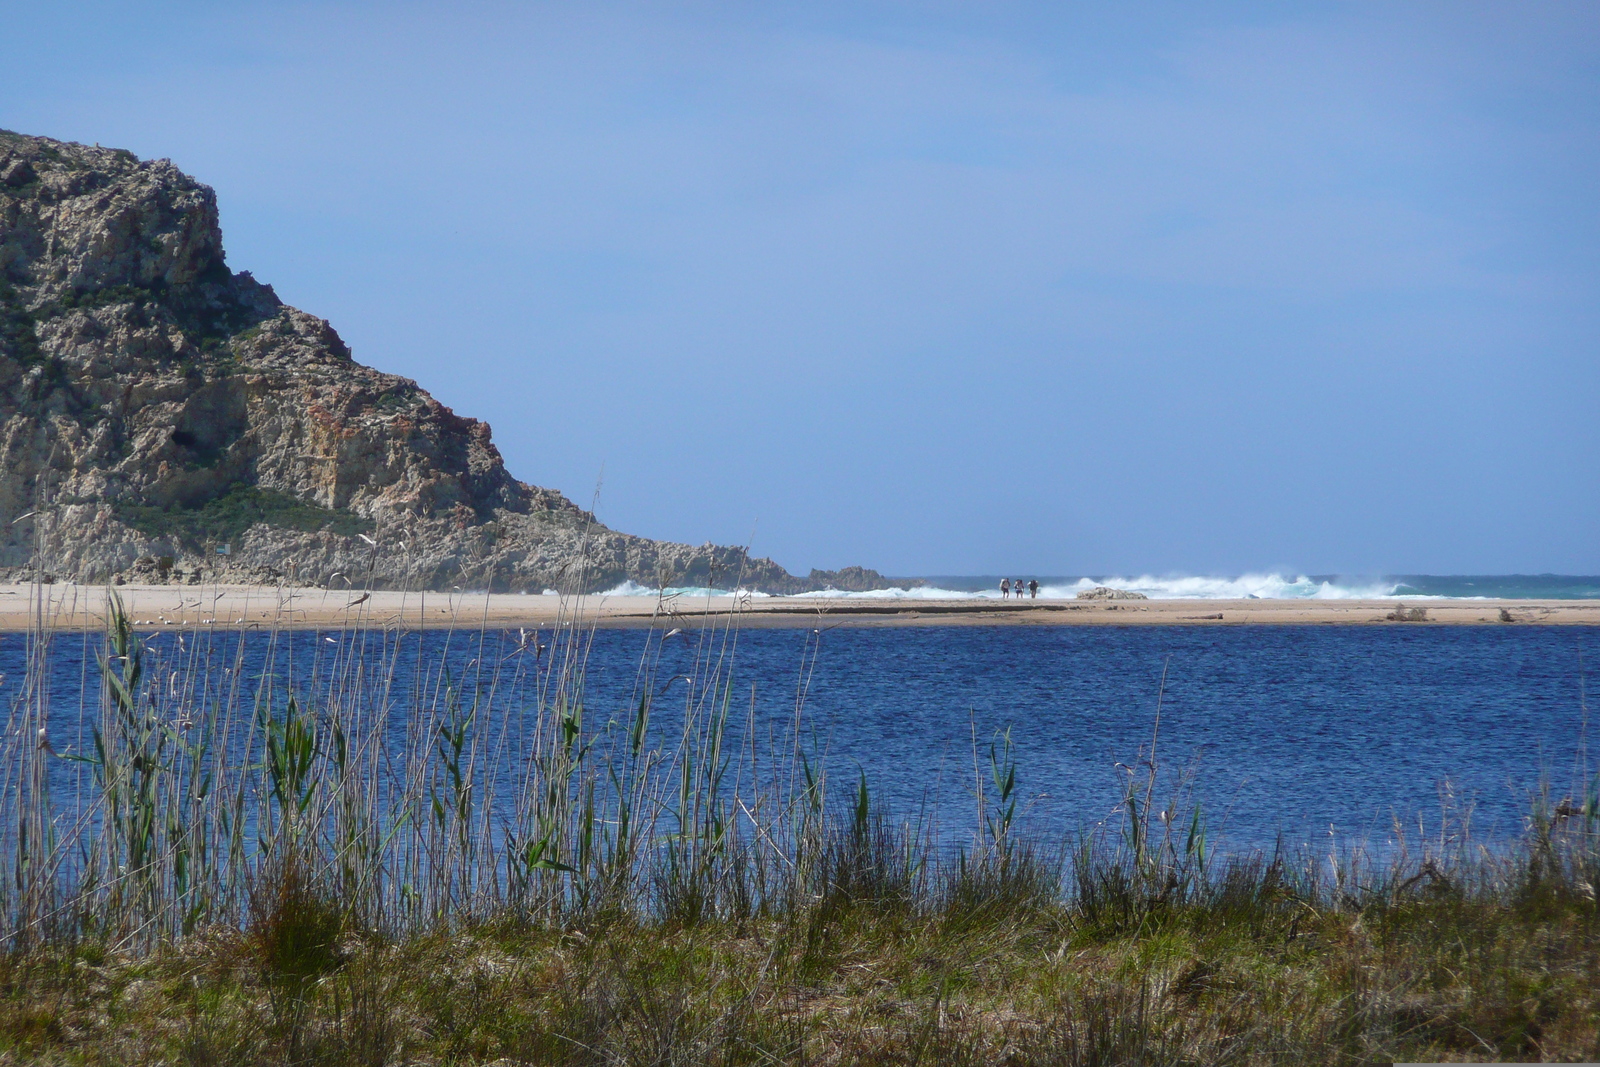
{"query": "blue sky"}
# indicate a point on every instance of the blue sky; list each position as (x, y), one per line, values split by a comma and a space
(934, 287)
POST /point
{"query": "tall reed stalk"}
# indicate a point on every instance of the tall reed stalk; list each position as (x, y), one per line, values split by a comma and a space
(372, 776)
(228, 777)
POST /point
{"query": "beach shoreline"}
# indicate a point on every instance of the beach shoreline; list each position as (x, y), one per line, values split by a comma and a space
(63, 607)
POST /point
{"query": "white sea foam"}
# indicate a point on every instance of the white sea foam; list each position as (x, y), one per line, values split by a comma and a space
(628, 588)
(1263, 586)
(916, 592)
(1185, 587)
(1269, 586)
(633, 588)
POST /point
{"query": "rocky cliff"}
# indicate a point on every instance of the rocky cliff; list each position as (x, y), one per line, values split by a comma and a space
(163, 418)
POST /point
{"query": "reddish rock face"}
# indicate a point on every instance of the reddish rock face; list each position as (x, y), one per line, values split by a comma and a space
(154, 404)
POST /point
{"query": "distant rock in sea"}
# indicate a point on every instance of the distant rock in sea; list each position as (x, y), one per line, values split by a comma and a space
(857, 580)
(163, 418)
(1105, 592)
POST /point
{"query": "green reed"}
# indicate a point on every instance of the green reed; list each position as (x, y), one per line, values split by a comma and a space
(200, 779)
(706, 876)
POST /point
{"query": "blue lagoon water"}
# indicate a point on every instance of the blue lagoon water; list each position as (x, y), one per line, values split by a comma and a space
(1287, 730)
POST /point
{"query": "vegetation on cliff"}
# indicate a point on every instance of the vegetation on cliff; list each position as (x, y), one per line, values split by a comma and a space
(151, 398)
(223, 519)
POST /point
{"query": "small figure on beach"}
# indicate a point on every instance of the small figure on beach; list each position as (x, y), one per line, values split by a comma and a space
(1018, 586)
(1005, 589)
(1033, 588)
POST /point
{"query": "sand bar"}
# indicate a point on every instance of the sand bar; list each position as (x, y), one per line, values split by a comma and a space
(72, 607)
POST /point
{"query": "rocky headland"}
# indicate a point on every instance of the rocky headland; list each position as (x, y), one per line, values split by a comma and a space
(166, 419)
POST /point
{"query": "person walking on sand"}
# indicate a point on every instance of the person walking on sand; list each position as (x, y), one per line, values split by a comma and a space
(1005, 589)
(1033, 588)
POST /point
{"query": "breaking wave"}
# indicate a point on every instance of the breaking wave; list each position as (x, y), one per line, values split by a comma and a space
(633, 588)
(1244, 587)
(1267, 585)
(1270, 586)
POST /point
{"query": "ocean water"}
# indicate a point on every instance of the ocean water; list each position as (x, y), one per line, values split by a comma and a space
(1266, 585)
(1310, 734)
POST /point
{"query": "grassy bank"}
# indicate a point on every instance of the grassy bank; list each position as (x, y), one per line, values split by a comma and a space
(1253, 968)
(362, 865)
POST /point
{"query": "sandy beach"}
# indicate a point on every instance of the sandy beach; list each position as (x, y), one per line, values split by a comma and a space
(71, 607)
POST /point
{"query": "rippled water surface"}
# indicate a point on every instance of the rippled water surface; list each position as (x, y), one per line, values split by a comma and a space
(1291, 729)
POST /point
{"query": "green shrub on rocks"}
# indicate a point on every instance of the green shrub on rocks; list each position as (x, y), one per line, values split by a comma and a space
(226, 517)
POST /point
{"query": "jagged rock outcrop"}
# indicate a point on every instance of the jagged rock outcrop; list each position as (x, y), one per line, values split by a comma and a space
(856, 580)
(164, 418)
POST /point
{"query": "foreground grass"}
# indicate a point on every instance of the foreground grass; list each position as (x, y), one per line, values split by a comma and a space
(374, 860)
(1251, 975)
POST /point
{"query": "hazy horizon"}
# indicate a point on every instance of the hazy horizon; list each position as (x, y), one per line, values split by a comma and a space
(934, 289)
